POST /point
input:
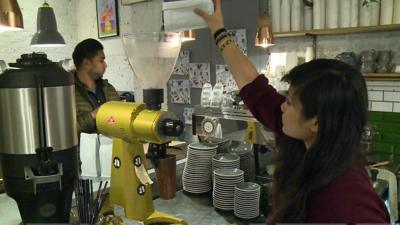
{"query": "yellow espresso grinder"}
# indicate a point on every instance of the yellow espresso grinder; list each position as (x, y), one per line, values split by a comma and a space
(152, 57)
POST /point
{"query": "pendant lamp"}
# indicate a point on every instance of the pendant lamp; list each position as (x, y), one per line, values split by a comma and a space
(188, 35)
(10, 16)
(47, 34)
(264, 36)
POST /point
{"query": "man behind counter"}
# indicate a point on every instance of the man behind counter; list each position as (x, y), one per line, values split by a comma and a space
(91, 90)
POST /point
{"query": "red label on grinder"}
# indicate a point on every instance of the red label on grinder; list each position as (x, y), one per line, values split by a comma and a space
(111, 120)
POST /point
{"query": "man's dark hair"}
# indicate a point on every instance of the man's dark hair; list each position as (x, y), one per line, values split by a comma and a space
(86, 49)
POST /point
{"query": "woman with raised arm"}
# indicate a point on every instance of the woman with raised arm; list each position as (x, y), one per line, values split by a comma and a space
(320, 175)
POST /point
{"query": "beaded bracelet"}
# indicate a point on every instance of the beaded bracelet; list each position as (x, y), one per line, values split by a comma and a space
(221, 37)
(226, 43)
(218, 32)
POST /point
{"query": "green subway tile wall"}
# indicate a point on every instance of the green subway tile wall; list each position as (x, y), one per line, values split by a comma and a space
(386, 134)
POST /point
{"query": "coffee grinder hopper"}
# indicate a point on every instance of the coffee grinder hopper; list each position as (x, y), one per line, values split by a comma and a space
(152, 56)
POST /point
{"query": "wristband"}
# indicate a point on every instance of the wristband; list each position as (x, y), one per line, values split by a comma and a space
(218, 32)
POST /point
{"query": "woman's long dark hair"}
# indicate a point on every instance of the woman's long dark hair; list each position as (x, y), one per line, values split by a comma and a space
(336, 94)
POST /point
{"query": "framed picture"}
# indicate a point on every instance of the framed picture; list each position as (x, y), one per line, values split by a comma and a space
(107, 18)
(128, 2)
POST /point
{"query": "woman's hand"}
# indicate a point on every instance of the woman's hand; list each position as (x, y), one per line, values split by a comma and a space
(214, 21)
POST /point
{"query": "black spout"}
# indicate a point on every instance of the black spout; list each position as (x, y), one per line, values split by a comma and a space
(153, 98)
(45, 165)
(172, 127)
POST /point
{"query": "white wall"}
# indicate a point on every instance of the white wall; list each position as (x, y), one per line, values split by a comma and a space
(76, 20)
(145, 16)
(13, 44)
(118, 72)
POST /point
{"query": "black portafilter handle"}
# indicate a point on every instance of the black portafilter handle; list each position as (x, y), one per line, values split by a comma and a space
(45, 166)
(172, 127)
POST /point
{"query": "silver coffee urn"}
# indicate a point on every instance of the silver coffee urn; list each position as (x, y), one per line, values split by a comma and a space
(38, 140)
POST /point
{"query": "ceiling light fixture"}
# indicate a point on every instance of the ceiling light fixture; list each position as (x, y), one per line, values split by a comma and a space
(47, 34)
(264, 36)
(10, 16)
(188, 35)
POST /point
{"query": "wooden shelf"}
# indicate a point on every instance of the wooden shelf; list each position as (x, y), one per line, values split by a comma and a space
(382, 76)
(350, 30)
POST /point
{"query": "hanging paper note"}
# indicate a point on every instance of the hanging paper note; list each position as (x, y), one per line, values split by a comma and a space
(199, 74)
(182, 63)
(224, 76)
(239, 36)
(179, 91)
(187, 114)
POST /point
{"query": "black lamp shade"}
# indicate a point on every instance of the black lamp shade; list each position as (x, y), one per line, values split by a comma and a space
(47, 34)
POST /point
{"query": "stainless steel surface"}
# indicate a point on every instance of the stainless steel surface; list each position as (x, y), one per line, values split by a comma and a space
(19, 120)
(198, 209)
(234, 114)
(380, 187)
(234, 124)
(60, 117)
(393, 166)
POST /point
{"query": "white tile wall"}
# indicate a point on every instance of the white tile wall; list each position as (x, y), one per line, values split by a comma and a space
(384, 96)
(382, 106)
(375, 95)
(391, 96)
(396, 107)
